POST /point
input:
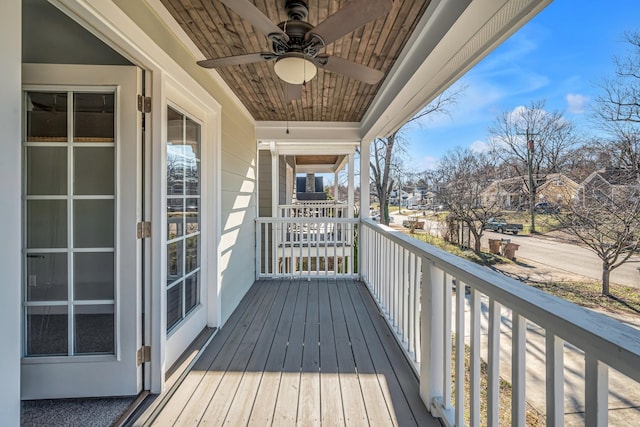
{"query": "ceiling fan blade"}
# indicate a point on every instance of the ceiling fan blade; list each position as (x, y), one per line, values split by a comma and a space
(249, 12)
(292, 92)
(235, 60)
(348, 68)
(351, 17)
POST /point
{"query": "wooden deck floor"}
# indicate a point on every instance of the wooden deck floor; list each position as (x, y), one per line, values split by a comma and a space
(300, 353)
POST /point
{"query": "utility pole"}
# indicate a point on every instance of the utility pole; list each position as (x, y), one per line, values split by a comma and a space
(532, 199)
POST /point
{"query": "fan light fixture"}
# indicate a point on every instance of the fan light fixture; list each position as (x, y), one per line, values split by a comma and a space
(295, 69)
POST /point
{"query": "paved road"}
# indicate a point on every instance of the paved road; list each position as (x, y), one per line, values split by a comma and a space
(568, 257)
(556, 255)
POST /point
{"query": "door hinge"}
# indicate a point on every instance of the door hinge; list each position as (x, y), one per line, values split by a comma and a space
(143, 229)
(143, 355)
(144, 104)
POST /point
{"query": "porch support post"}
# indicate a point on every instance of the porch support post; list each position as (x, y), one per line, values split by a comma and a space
(364, 179)
(10, 172)
(336, 185)
(275, 190)
(350, 197)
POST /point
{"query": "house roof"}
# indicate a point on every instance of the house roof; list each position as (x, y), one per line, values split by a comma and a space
(421, 47)
(614, 176)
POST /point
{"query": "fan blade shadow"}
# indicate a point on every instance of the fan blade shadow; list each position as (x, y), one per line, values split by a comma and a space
(249, 12)
(335, 64)
(227, 61)
(351, 17)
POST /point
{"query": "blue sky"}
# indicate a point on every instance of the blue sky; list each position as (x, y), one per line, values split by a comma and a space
(558, 56)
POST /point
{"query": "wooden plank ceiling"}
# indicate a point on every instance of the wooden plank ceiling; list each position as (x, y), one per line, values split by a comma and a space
(220, 32)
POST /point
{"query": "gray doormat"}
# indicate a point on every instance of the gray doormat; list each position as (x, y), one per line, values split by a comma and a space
(96, 412)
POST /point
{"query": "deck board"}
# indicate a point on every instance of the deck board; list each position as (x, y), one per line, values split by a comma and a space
(300, 352)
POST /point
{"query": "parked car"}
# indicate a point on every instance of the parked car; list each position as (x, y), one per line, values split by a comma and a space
(546, 208)
(502, 226)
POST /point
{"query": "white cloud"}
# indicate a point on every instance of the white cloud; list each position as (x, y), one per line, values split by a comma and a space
(576, 103)
(428, 163)
(479, 146)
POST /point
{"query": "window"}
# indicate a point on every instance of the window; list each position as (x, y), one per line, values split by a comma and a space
(183, 216)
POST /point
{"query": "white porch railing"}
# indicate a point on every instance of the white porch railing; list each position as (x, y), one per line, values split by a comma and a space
(315, 209)
(294, 247)
(418, 288)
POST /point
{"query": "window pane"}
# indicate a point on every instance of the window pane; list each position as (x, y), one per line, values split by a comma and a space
(94, 329)
(175, 153)
(192, 157)
(46, 116)
(46, 277)
(193, 216)
(93, 171)
(175, 218)
(93, 223)
(191, 292)
(46, 171)
(93, 274)
(174, 305)
(46, 224)
(47, 331)
(175, 252)
(192, 258)
(93, 117)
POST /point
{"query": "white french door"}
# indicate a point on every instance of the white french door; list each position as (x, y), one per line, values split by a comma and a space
(82, 281)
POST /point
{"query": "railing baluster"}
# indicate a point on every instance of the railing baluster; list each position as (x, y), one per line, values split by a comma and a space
(432, 328)
(493, 369)
(518, 369)
(446, 340)
(474, 396)
(596, 393)
(460, 350)
(555, 379)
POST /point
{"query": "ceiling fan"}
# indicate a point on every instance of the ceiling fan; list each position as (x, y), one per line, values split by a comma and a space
(296, 44)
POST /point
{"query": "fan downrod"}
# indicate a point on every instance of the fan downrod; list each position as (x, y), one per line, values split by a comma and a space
(296, 10)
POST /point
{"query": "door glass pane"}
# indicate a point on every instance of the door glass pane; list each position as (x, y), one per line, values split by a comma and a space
(46, 114)
(192, 157)
(94, 329)
(47, 277)
(47, 331)
(93, 223)
(193, 216)
(175, 153)
(174, 305)
(93, 117)
(46, 171)
(192, 255)
(191, 292)
(175, 218)
(93, 171)
(46, 224)
(93, 276)
(174, 261)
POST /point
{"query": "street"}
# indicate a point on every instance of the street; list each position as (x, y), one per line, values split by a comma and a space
(556, 255)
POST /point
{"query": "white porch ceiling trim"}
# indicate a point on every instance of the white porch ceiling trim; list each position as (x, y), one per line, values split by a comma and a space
(452, 37)
(310, 132)
(296, 148)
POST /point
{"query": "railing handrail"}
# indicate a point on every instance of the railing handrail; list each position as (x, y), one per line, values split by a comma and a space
(304, 220)
(590, 331)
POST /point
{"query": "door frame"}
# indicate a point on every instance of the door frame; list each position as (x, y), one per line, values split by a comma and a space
(106, 21)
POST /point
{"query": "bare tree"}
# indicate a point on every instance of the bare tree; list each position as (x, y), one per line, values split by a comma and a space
(466, 174)
(620, 98)
(533, 143)
(384, 151)
(606, 221)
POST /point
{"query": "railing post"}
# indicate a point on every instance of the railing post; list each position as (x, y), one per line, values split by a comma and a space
(432, 334)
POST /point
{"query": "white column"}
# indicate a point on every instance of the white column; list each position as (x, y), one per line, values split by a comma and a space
(336, 185)
(350, 197)
(364, 179)
(10, 172)
(275, 190)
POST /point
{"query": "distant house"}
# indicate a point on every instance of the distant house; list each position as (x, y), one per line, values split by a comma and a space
(609, 183)
(505, 194)
(559, 189)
